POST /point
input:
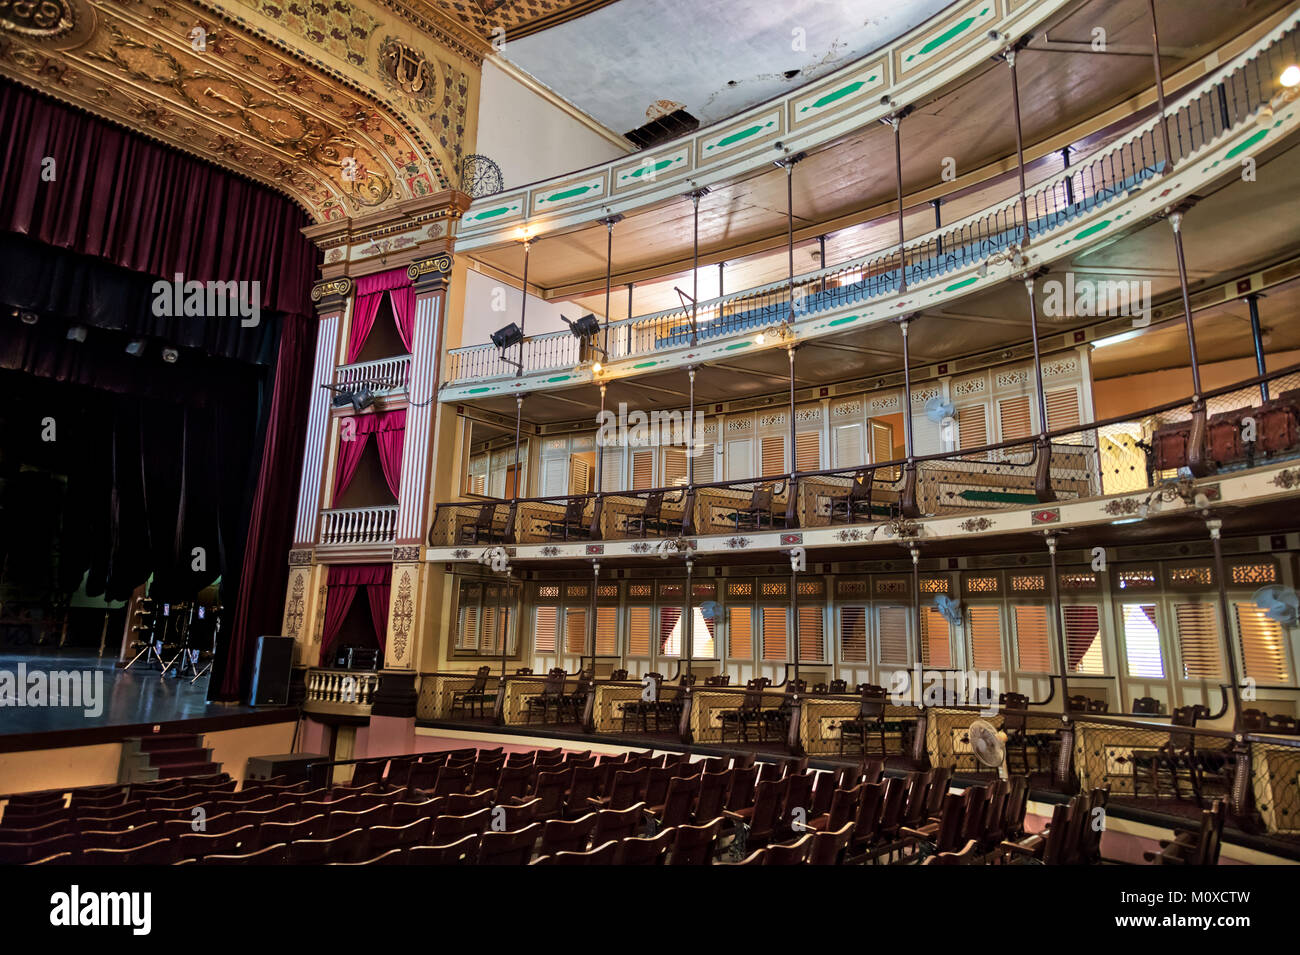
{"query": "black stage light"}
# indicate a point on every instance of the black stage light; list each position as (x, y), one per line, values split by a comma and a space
(505, 337)
(586, 327)
(363, 399)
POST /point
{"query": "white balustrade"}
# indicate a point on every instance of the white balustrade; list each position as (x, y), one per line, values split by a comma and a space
(341, 686)
(358, 525)
(381, 376)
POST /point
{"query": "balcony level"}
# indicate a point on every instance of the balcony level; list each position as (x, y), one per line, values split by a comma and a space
(1093, 220)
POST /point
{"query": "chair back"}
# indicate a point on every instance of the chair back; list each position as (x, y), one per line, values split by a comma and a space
(1147, 706)
(761, 498)
(645, 850)
(486, 513)
(796, 853)
(828, 847)
(559, 835)
(838, 686)
(654, 504)
(617, 823)
(720, 679)
(743, 782)
(508, 849)
(628, 787)
(694, 844)
(873, 701)
(682, 791)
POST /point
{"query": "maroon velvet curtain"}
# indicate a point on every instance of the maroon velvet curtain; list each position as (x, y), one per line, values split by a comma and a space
(378, 596)
(152, 209)
(370, 293)
(389, 428)
(345, 580)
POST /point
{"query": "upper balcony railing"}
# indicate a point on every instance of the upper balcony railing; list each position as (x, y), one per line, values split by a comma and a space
(1010, 474)
(1199, 117)
(356, 526)
(382, 376)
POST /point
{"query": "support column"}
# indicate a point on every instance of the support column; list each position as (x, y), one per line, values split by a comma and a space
(429, 277)
(908, 506)
(333, 299)
(1257, 336)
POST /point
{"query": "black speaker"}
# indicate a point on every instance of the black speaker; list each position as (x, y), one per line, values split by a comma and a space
(271, 671)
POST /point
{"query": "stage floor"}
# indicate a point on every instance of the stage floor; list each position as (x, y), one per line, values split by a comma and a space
(129, 697)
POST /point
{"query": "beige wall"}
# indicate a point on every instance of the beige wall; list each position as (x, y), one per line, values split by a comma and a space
(65, 767)
(1114, 397)
(531, 138)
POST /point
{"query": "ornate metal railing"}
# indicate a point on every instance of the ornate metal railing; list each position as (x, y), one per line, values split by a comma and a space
(1200, 116)
(993, 477)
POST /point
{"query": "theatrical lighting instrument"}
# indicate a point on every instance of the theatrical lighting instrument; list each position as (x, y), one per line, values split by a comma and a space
(505, 337)
(136, 347)
(588, 326)
(170, 355)
(77, 333)
(29, 318)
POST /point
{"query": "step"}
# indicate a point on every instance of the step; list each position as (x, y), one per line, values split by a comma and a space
(188, 769)
(169, 757)
(153, 744)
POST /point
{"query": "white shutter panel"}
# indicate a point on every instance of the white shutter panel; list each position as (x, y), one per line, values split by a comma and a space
(848, 446)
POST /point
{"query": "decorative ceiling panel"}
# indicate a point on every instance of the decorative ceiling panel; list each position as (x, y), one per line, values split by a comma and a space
(358, 116)
(491, 19)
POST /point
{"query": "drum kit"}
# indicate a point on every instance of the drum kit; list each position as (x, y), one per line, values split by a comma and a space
(178, 638)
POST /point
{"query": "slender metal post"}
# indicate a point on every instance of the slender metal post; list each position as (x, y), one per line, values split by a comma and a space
(523, 310)
(789, 224)
(501, 690)
(600, 451)
(688, 615)
(610, 221)
(1069, 180)
(591, 626)
(690, 434)
(821, 259)
(1257, 335)
(915, 553)
(630, 286)
(1196, 459)
(1020, 145)
(907, 502)
(790, 351)
(695, 264)
(896, 121)
(938, 224)
(519, 414)
(1160, 88)
(1058, 624)
(794, 614)
(722, 266)
(1215, 527)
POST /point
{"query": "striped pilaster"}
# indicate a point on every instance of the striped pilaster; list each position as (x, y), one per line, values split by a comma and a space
(313, 459)
(419, 419)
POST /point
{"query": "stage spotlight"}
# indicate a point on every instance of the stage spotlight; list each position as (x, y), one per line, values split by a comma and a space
(505, 337)
(586, 327)
(136, 347)
(363, 399)
(29, 318)
(77, 333)
(170, 355)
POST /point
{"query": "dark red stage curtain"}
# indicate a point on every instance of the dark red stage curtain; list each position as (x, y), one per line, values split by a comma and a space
(146, 207)
(344, 582)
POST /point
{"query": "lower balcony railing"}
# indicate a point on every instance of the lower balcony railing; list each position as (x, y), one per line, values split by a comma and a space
(1067, 465)
(346, 692)
(349, 526)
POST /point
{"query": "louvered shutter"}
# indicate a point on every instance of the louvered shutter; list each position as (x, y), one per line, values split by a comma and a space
(740, 633)
(1083, 638)
(544, 630)
(985, 637)
(1263, 645)
(853, 634)
(1033, 654)
(774, 633)
(893, 631)
(1198, 640)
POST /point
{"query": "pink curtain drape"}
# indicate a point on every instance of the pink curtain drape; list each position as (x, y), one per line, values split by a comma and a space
(403, 302)
(371, 290)
(390, 437)
(390, 429)
(345, 580)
